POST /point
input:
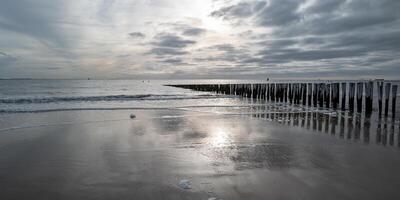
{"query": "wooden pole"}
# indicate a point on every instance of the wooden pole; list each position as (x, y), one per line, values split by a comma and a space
(360, 92)
(309, 93)
(351, 96)
(327, 95)
(380, 96)
(304, 93)
(369, 92)
(394, 95)
(315, 94)
(387, 93)
(344, 85)
(335, 95)
(290, 93)
(321, 94)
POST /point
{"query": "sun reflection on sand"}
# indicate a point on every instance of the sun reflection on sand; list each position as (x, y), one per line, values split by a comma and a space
(220, 137)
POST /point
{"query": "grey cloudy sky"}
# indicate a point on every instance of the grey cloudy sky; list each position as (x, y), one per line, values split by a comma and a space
(200, 38)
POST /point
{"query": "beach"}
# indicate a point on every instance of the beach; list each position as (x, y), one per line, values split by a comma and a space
(107, 155)
(140, 140)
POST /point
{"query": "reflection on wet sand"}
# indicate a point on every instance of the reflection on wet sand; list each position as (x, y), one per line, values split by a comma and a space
(344, 125)
(224, 156)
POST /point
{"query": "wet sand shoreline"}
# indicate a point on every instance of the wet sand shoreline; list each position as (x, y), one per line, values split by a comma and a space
(224, 156)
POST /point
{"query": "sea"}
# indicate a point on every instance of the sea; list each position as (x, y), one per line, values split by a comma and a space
(19, 96)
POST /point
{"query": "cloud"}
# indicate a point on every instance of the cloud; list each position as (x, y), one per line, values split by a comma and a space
(321, 33)
(167, 44)
(161, 51)
(136, 35)
(193, 31)
(241, 10)
(239, 37)
(172, 41)
(224, 53)
(174, 61)
(279, 13)
(37, 19)
(186, 28)
(6, 59)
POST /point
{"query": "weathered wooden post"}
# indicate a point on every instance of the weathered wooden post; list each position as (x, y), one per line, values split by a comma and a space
(380, 96)
(335, 95)
(387, 93)
(273, 90)
(360, 92)
(255, 91)
(344, 96)
(298, 93)
(301, 90)
(369, 92)
(394, 95)
(321, 88)
(309, 93)
(327, 95)
(263, 91)
(351, 96)
(304, 93)
(294, 93)
(277, 90)
(286, 92)
(290, 94)
(315, 94)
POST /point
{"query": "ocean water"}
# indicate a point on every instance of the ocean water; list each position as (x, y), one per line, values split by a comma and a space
(60, 95)
(30, 96)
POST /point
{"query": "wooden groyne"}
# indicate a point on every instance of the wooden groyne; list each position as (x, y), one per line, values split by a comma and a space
(357, 96)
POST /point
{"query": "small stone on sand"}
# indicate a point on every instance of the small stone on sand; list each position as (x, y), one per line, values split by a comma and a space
(185, 184)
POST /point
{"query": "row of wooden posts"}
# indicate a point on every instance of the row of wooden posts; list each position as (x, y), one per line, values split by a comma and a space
(313, 94)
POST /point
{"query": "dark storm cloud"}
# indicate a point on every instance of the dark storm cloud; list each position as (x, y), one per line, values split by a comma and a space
(36, 19)
(330, 32)
(136, 35)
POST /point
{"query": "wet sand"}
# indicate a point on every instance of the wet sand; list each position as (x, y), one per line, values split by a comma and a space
(106, 155)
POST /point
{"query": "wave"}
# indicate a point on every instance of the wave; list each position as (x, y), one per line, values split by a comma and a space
(121, 108)
(106, 98)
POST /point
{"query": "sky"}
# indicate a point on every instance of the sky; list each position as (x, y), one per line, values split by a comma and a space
(190, 39)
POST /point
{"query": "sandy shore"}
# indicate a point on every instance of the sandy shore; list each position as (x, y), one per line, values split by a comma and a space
(106, 155)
